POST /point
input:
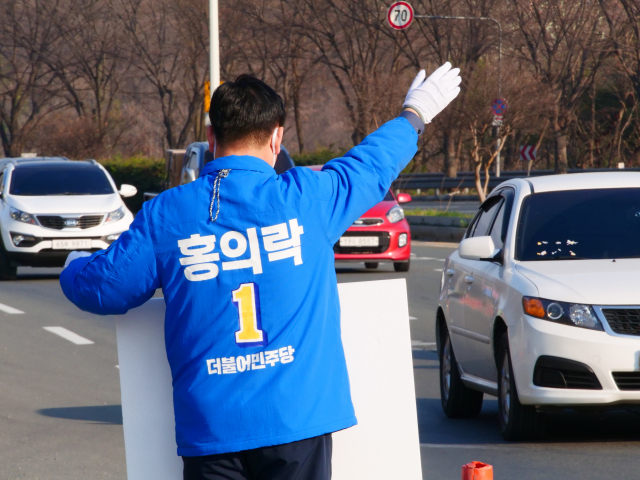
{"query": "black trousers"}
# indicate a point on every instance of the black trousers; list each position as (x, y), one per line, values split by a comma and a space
(308, 459)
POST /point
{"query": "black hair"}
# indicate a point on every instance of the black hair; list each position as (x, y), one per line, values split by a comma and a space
(245, 111)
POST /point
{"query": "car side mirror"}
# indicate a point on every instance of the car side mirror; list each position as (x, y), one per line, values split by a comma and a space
(477, 248)
(403, 198)
(127, 190)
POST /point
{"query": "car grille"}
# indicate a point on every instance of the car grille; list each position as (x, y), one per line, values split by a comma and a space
(383, 243)
(368, 222)
(627, 380)
(57, 223)
(625, 321)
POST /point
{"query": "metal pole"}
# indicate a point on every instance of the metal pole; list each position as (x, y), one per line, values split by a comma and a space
(214, 46)
(498, 154)
(445, 17)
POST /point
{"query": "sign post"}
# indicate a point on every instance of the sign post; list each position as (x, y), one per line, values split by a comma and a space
(498, 107)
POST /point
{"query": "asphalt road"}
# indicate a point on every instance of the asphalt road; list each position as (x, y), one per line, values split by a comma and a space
(60, 414)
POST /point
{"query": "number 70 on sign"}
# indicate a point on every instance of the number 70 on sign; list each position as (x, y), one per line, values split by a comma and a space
(400, 15)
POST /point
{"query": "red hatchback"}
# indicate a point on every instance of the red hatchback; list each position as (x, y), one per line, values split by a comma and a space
(380, 235)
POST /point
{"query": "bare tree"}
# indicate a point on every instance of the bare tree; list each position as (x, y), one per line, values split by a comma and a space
(86, 57)
(347, 40)
(168, 49)
(27, 86)
(562, 43)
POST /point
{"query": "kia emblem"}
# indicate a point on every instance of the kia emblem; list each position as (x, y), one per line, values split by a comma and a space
(71, 222)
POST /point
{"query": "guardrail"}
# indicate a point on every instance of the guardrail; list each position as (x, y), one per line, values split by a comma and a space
(411, 181)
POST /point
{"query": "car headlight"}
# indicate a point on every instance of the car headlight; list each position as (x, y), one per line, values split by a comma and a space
(115, 215)
(575, 314)
(22, 216)
(395, 214)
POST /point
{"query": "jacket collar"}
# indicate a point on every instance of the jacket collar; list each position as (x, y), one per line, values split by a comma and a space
(238, 162)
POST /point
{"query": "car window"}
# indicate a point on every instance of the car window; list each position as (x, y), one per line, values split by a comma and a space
(388, 197)
(487, 213)
(580, 224)
(1, 183)
(69, 179)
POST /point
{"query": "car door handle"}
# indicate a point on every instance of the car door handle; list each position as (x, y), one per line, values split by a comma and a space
(450, 271)
(468, 279)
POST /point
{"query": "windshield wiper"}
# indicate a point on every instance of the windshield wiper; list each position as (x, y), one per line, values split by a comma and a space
(558, 257)
(65, 193)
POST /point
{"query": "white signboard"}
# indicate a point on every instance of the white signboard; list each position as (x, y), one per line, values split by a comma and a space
(377, 343)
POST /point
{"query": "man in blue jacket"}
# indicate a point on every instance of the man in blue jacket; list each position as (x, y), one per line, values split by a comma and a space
(245, 260)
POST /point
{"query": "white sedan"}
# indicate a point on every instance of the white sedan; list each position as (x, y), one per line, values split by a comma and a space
(540, 304)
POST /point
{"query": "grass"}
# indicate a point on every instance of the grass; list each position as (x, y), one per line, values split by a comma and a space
(437, 213)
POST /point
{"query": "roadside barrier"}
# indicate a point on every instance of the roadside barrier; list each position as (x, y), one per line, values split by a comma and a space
(477, 471)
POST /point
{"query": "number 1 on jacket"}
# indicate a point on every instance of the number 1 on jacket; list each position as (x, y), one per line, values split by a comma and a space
(246, 298)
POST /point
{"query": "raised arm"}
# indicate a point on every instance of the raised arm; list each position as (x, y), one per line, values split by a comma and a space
(114, 280)
(352, 184)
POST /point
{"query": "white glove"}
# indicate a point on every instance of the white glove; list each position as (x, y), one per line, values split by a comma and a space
(76, 254)
(430, 97)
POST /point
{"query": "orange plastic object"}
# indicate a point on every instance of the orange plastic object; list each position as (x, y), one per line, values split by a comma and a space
(477, 471)
(533, 307)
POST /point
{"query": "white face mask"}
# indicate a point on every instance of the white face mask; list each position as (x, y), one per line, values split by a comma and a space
(273, 146)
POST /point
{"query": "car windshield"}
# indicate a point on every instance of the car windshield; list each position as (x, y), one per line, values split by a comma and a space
(388, 197)
(580, 224)
(67, 179)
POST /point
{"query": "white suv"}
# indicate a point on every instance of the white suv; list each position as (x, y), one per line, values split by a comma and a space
(540, 304)
(50, 206)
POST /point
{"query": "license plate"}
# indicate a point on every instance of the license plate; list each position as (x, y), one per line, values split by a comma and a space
(72, 244)
(359, 241)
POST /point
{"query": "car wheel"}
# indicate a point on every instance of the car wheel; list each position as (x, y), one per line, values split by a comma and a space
(458, 400)
(371, 265)
(7, 272)
(517, 421)
(402, 266)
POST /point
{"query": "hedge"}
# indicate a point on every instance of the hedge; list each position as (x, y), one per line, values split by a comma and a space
(145, 173)
(319, 157)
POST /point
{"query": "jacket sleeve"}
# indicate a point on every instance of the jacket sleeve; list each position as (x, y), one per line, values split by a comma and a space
(351, 185)
(114, 280)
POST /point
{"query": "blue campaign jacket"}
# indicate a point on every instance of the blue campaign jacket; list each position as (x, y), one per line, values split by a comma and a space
(252, 324)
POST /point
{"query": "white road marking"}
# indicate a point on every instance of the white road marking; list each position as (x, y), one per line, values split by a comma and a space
(428, 258)
(118, 367)
(413, 318)
(69, 335)
(418, 343)
(469, 447)
(8, 309)
(437, 269)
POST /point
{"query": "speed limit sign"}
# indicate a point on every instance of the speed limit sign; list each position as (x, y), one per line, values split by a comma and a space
(400, 15)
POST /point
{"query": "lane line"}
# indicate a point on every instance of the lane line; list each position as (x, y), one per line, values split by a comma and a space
(470, 447)
(437, 269)
(428, 258)
(118, 367)
(8, 309)
(69, 335)
(413, 318)
(418, 343)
